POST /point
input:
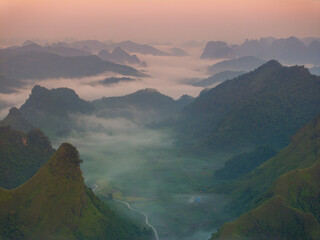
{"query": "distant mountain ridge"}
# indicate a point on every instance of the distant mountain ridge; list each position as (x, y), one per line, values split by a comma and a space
(216, 50)
(245, 64)
(9, 85)
(146, 105)
(291, 50)
(39, 65)
(119, 56)
(61, 50)
(133, 47)
(218, 77)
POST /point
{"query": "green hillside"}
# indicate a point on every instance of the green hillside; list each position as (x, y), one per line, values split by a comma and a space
(265, 106)
(56, 204)
(303, 151)
(292, 213)
(21, 155)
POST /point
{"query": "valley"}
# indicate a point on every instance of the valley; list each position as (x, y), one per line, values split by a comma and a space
(171, 158)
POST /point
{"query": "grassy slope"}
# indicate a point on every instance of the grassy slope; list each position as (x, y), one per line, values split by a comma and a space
(292, 213)
(303, 151)
(56, 204)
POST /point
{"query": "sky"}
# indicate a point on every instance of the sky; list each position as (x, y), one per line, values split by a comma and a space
(158, 20)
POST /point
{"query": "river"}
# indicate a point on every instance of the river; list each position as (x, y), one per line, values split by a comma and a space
(95, 186)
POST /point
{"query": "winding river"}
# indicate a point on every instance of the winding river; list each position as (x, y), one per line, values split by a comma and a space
(95, 186)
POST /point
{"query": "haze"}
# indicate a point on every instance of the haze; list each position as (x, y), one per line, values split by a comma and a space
(158, 20)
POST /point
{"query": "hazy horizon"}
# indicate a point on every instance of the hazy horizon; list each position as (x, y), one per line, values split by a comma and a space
(158, 20)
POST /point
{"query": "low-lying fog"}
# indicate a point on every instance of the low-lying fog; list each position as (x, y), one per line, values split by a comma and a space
(140, 165)
(169, 75)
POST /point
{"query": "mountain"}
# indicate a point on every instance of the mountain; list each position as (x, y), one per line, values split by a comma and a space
(16, 121)
(8, 85)
(185, 100)
(216, 50)
(50, 109)
(91, 45)
(303, 151)
(37, 65)
(258, 48)
(289, 50)
(133, 47)
(265, 106)
(61, 50)
(218, 77)
(56, 204)
(147, 105)
(245, 64)
(21, 155)
(283, 192)
(119, 56)
(178, 52)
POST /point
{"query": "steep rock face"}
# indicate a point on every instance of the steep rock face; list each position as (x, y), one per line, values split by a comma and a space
(217, 50)
(56, 204)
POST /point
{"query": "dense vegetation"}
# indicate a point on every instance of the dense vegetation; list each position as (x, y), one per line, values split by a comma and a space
(56, 204)
(286, 203)
(243, 163)
(21, 155)
(302, 152)
(293, 212)
(266, 106)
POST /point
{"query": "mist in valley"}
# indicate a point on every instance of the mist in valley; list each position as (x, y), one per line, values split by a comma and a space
(132, 161)
(140, 165)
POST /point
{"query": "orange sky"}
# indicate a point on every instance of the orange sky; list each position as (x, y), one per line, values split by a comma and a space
(159, 20)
